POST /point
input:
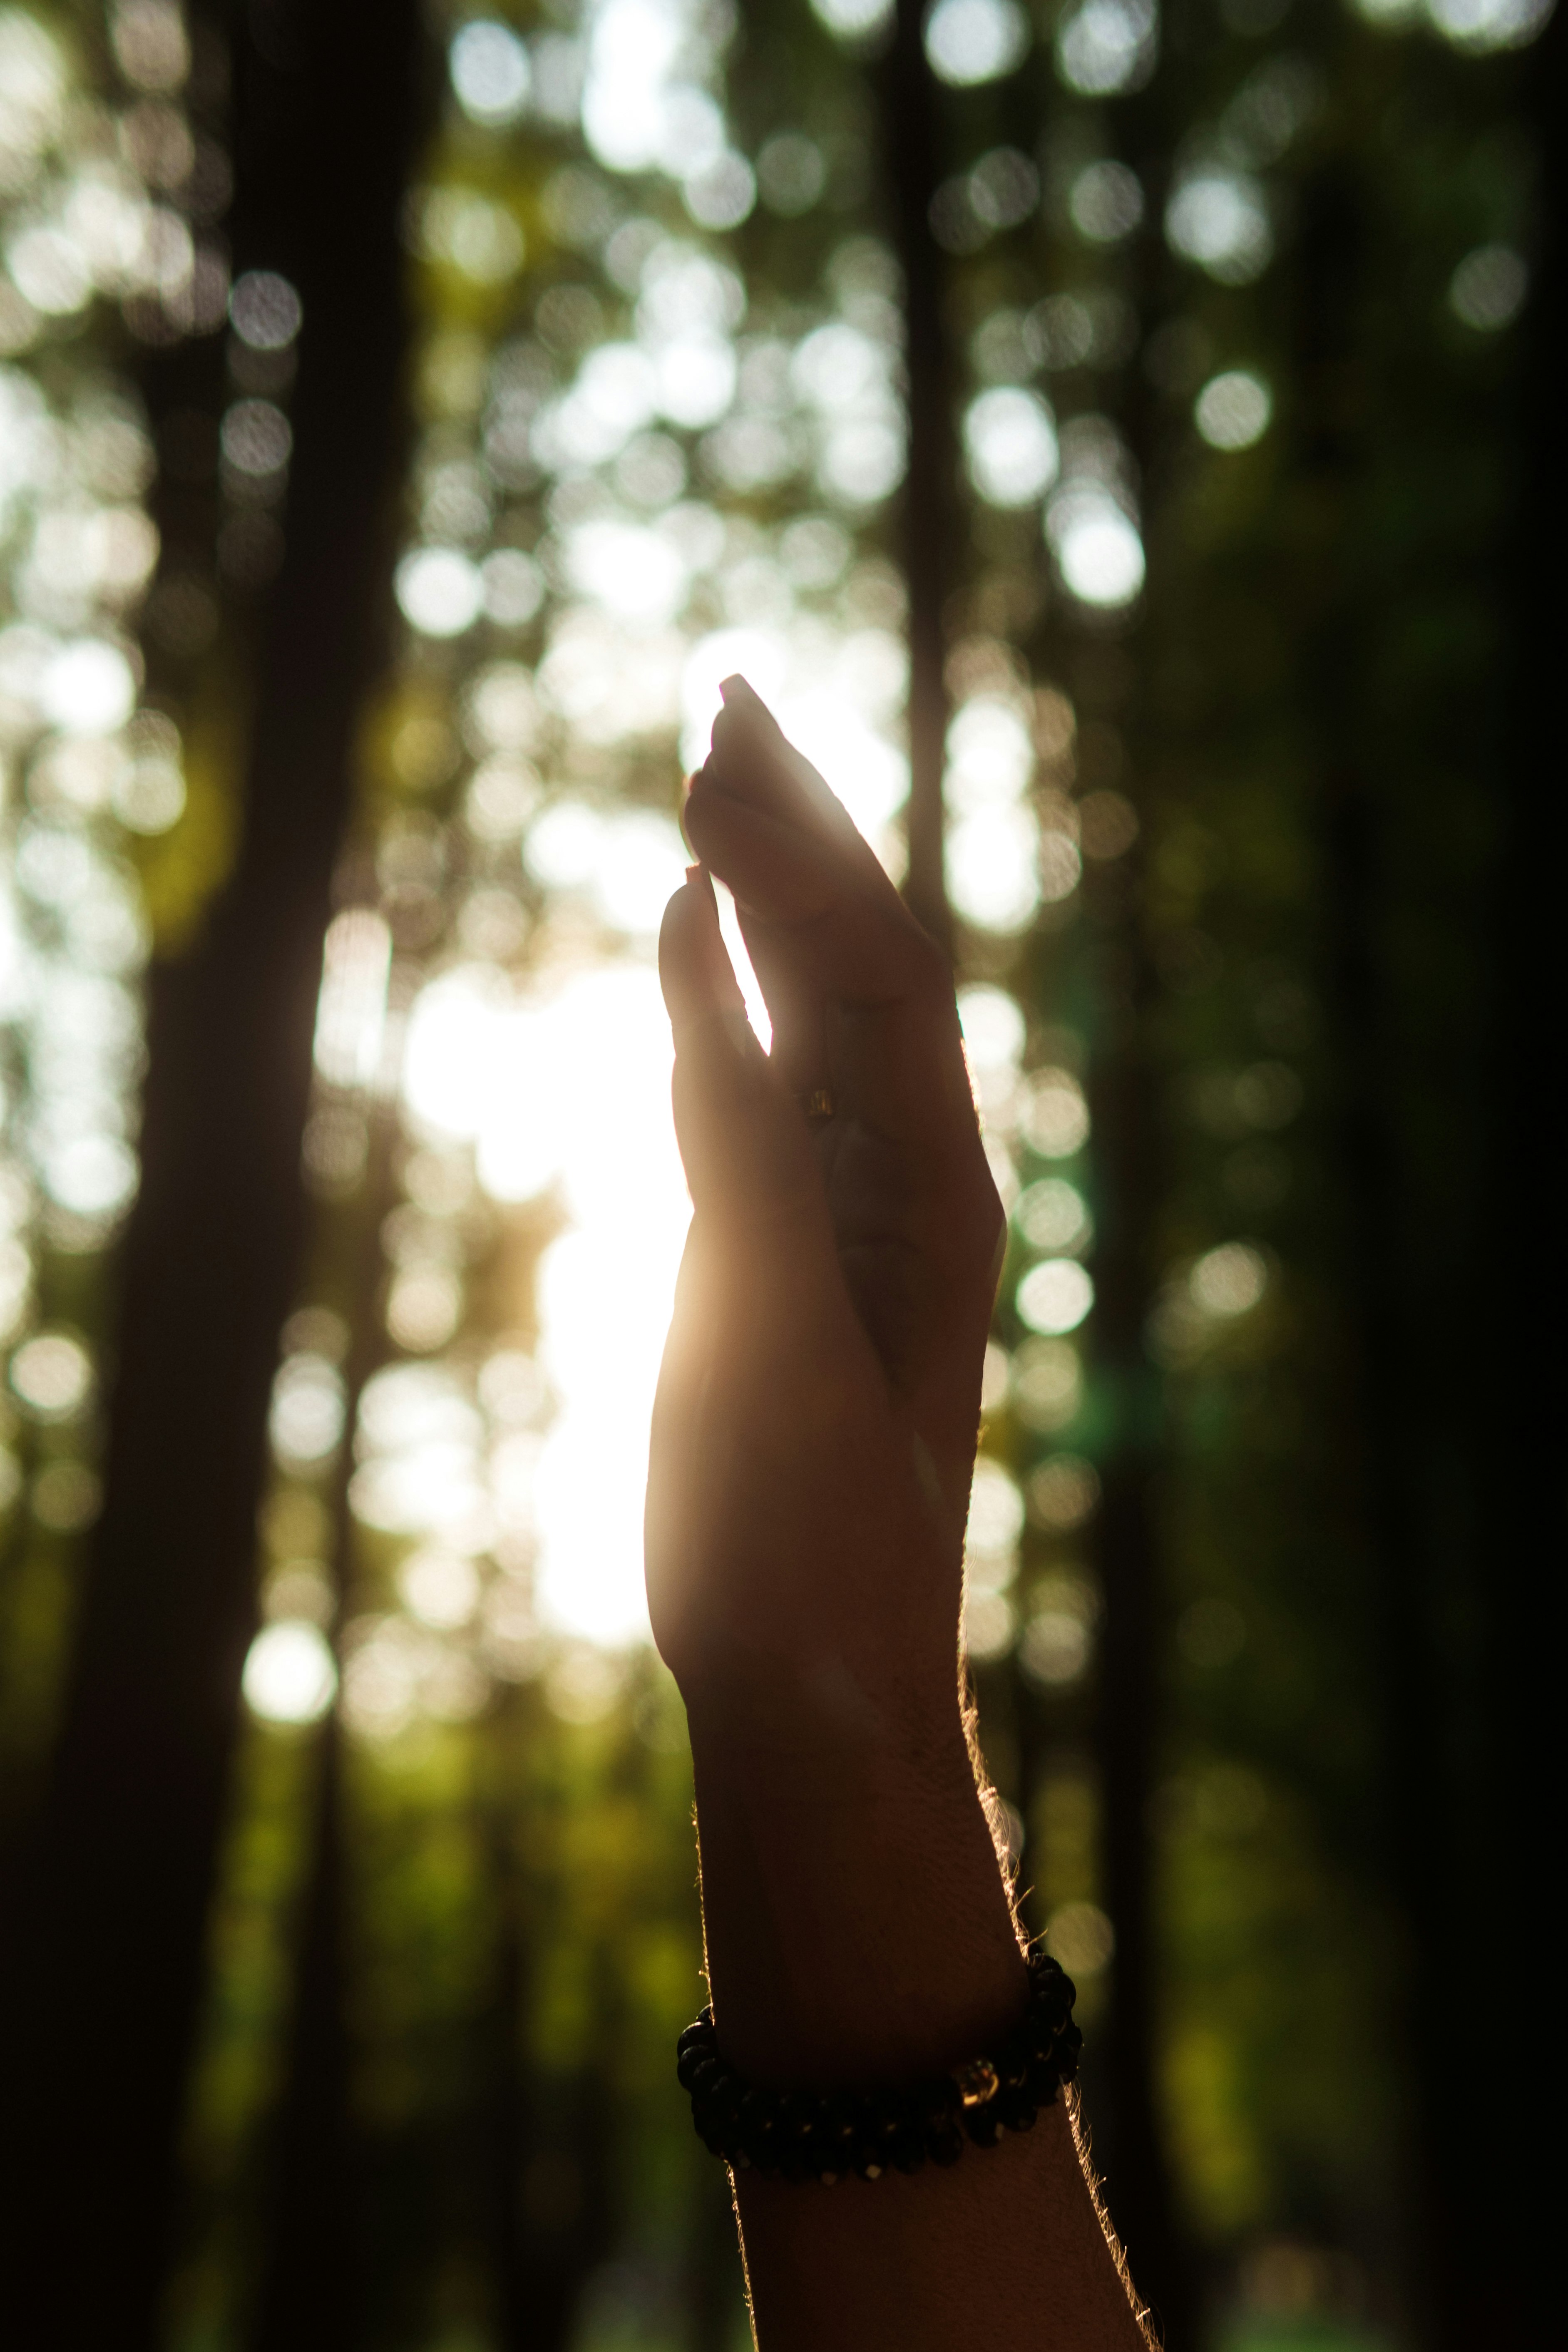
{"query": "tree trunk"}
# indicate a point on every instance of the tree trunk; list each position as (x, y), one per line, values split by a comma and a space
(307, 2300)
(1516, 2296)
(1123, 1096)
(312, 2268)
(910, 147)
(106, 1961)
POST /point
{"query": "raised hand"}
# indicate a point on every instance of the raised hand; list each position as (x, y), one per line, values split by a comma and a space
(815, 1426)
(808, 1478)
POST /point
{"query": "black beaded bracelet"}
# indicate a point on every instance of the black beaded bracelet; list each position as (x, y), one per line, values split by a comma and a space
(828, 2135)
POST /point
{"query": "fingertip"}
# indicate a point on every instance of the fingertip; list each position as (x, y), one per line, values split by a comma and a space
(674, 911)
(752, 759)
(694, 968)
(675, 939)
(744, 722)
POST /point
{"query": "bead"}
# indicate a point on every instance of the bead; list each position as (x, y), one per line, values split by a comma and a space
(759, 2131)
(1041, 2084)
(840, 2118)
(835, 2136)
(935, 2096)
(723, 2102)
(1011, 2068)
(945, 2145)
(981, 2124)
(886, 2116)
(797, 2114)
(976, 2081)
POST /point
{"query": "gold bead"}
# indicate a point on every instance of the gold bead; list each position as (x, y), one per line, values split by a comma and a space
(976, 2081)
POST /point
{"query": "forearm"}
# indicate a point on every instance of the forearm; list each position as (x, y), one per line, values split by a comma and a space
(859, 1930)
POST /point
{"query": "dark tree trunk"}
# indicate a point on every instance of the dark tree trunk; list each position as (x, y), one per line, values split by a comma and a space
(1522, 1461)
(105, 1966)
(911, 149)
(1383, 1431)
(545, 2140)
(1123, 1096)
(1126, 1088)
(313, 2269)
(506, 2099)
(1456, 1501)
(1501, 2212)
(309, 2300)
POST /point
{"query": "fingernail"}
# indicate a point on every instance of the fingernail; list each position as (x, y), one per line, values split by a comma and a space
(732, 687)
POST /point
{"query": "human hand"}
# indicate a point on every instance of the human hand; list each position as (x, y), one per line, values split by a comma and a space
(817, 1410)
(813, 1440)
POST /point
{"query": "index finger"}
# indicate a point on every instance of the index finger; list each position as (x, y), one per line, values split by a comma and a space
(753, 759)
(861, 997)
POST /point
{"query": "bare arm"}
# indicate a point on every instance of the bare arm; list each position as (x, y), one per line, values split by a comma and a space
(813, 1444)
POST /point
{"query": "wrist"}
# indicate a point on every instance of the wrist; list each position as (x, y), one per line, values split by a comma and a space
(827, 1729)
(857, 1922)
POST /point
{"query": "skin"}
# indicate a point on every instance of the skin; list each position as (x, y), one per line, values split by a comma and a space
(813, 1442)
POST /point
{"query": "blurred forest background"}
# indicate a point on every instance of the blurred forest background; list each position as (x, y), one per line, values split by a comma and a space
(1123, 440)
